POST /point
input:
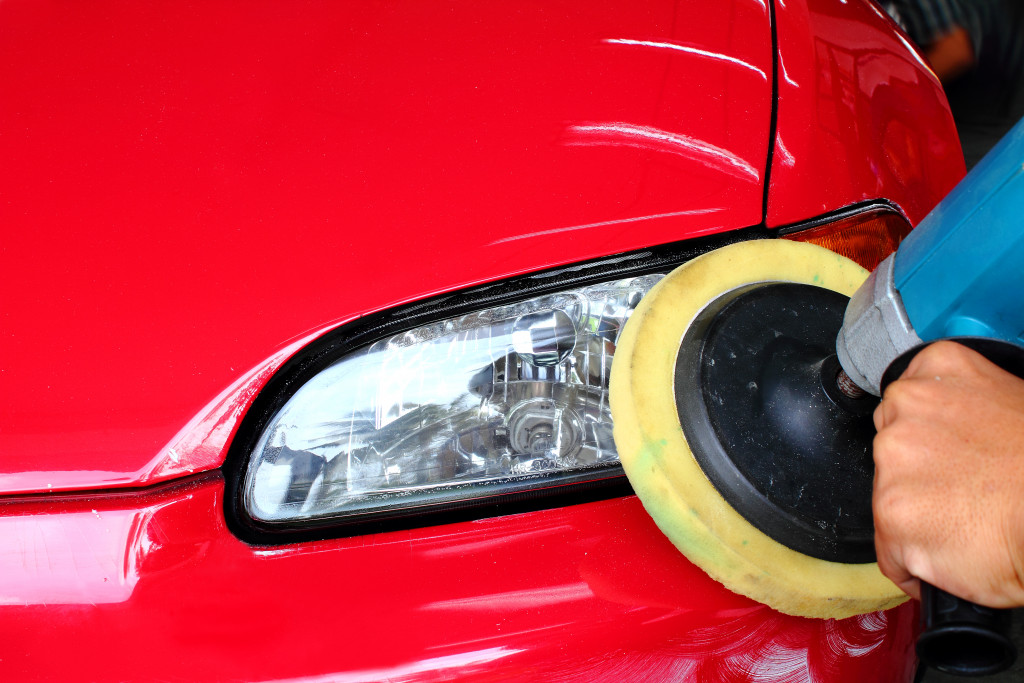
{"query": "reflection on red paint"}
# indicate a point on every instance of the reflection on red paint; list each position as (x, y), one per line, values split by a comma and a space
(689, 50)
(704, 155)
(72, 558)
(82, 550)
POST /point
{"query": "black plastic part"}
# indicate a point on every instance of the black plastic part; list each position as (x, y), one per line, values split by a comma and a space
(751, 383)
(960, 637)
(1009, 357)
(322, 352)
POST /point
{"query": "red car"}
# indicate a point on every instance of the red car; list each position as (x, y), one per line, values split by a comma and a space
(308, 311)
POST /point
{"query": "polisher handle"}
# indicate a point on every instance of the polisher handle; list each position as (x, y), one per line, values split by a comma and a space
(960, 637)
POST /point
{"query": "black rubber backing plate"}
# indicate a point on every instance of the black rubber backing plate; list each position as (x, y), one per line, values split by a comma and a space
(752, 379)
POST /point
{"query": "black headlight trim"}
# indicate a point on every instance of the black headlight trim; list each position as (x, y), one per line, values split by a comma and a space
(359, 333)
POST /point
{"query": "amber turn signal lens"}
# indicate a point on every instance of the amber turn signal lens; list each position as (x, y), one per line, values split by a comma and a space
(866, 237)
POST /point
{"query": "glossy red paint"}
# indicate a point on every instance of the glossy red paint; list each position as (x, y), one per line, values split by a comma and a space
(188, 188)
(860, 115)
(151, 585)
(191, 192)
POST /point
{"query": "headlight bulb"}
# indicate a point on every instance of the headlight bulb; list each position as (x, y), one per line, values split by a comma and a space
(543, 435)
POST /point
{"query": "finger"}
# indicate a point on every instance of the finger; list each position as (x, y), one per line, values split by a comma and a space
(911, 587)
(887, 408)
(894, 570)
(878, 417)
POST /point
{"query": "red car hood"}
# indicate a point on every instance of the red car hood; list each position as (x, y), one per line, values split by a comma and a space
(188, 191)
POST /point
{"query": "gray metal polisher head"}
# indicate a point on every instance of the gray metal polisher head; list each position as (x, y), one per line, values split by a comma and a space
(875, 329)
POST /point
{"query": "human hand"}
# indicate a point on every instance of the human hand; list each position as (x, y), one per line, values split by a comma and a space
(948, 496)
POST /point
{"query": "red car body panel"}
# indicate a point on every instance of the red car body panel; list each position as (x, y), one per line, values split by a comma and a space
(190, 193)
(187, 189)
(860, 115)
(153, 586)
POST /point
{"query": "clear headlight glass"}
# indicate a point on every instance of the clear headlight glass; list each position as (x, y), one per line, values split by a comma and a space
(502, 400)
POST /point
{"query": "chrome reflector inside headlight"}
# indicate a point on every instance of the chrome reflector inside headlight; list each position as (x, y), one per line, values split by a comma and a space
(499, 401)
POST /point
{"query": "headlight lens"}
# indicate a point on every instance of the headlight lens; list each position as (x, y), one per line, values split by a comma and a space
(499, 401)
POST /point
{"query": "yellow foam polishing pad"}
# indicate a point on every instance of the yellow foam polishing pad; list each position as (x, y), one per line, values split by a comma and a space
(660, 463)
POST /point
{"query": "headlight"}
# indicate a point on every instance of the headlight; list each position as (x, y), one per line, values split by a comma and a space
(491, 403)
(470, 404)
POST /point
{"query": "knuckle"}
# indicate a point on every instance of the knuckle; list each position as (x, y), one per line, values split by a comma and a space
(898, 391)
(912, 395)
(879, 417)
(883, 445)
(890, 445)
(950, 357)
(896, 515)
